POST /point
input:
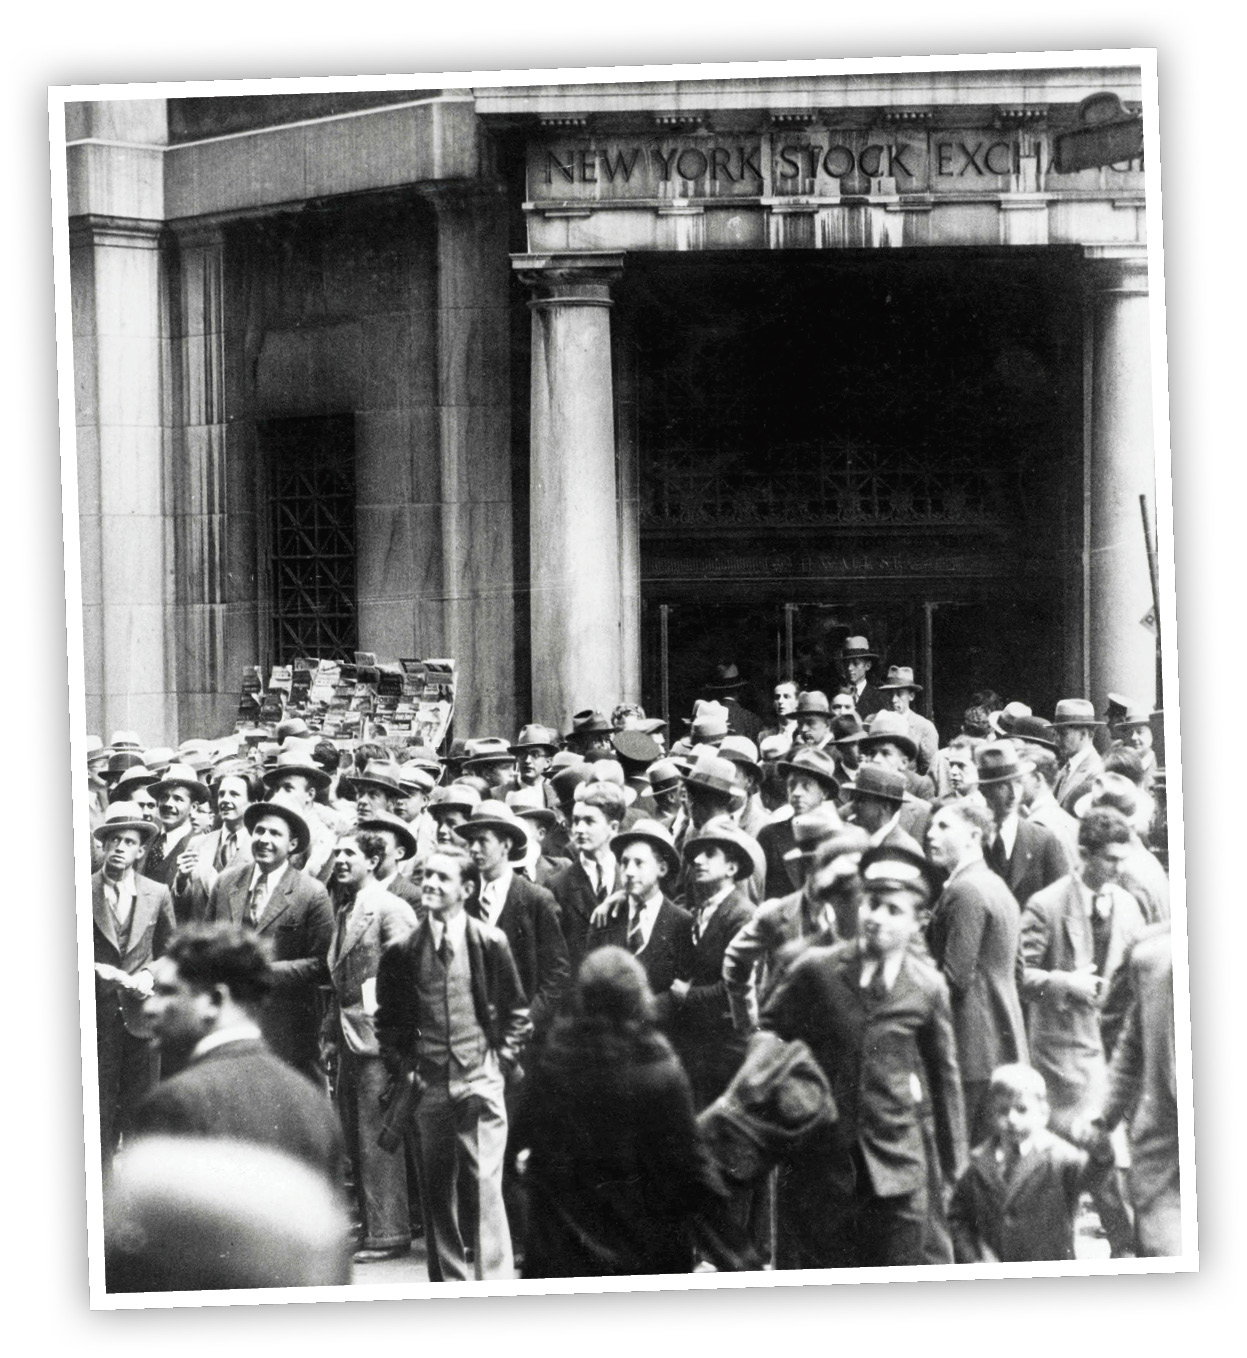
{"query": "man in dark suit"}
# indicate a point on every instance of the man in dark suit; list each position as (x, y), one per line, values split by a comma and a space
(809, 782)
(720, 859)
(874, 1016)
(526, 913)
(640, 917)
(291, 910)
(878, 805)
(973, 937)
(133, 922)
(175, 794)
(856, 659)
(204, 1009)
(1075, 726)
(597, 813)
(1024, 853)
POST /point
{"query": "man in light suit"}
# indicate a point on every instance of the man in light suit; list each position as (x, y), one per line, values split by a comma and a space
(369, 918)
(973, 937)
(1075, 725)
(874, 1015)
(203, 861)
(1024, 853)
(1075, 935)
(1142, 1088)
(133, 922)
(291, 910)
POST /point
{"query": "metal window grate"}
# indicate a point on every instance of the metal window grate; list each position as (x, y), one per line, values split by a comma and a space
(312, 528)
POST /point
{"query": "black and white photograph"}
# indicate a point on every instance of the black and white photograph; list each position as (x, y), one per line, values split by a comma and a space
(624, 696)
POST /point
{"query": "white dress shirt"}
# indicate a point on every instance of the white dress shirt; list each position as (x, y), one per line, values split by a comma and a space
(267, 886)
(494, 894)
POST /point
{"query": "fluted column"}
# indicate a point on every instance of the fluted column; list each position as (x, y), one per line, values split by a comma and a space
(1122, 650)
(577, 592)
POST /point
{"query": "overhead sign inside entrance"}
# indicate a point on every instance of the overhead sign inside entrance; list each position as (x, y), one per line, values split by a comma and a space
(806, 162)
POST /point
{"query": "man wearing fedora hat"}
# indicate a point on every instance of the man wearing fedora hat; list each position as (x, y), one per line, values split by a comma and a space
(368, 918)
(743, 753)
(887, 742)
(856, 659)
(809, 781)
(901, 689)
(205, 858)
(491, 759)
(720, 858)
(752, 962)
(1039, 806)
(590, 733)
(133, 921)
(449, 806)
(297, 776)
(874, 1015)
(1075, 725)
(878, 799)
(640, 916)
(291, 910)
(1022, 852)
(813, 718)
(527, 914)
(176, 793)
(398, 847)
(1133, 731)
(729, 688)
(666, 790)
(542, 863)
(533, 751)
(973, 937)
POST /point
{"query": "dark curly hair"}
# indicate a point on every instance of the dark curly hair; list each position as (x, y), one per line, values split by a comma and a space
(222, 954)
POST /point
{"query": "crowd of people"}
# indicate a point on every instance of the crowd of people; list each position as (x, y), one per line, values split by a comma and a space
(811, 990)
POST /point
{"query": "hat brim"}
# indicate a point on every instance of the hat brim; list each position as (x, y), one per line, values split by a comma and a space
(786, 766)
(316, 776)
(903, 743)
(390, 789)
(887, 688)
(403, 836)
(667, 851)
(544, 746)
(1087, 722)
(541, 815)
(856, 655)
(857, 792)
(751, 861)
(299, 827)
(503, 828)
(198, 791)
(1019, 771)
(711, 784)
(144, 828)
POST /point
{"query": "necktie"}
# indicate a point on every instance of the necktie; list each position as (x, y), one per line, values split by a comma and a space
(878, 987)
(996, 856)
(229, 847)
(446, 951)
(696, 927)
(255, 902)
(156, 854)
(636, 939)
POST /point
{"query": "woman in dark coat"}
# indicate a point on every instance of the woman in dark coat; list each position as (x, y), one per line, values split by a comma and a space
(616, 1172)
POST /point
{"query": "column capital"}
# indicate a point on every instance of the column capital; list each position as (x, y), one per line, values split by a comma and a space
(197, 233)
(580, 278)
(135, 233)
(1120, 273)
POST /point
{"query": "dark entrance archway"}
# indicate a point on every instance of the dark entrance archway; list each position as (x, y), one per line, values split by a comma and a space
(832, 444)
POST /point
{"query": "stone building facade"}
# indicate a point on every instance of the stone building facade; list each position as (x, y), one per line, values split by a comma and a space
(591, 386)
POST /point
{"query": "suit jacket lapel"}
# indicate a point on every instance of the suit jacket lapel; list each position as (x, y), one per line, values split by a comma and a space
(100, 912)
(146, 904)
(351, 929)
(237, 894)
(1077, 930)
(280, 901)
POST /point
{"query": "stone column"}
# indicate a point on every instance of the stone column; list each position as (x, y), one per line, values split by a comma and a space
(474, 415)
(117, 286)
(1122, 650)
(209, 508)
(577, 592)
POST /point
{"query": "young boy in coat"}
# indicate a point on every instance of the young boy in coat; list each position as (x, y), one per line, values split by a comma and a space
(1018, 1199)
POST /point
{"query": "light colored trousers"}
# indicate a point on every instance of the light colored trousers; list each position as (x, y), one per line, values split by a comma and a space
(461, 1130)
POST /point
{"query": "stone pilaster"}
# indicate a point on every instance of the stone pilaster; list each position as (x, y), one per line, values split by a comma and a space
(119, 338)
(1122, 650)
(577, 590)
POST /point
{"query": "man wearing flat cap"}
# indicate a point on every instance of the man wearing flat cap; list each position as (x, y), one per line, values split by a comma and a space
(133, 922)
(1075, 725)
(874, 1015)
(291, 910)
(901, 690)
(720, 858)
(857, 660)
